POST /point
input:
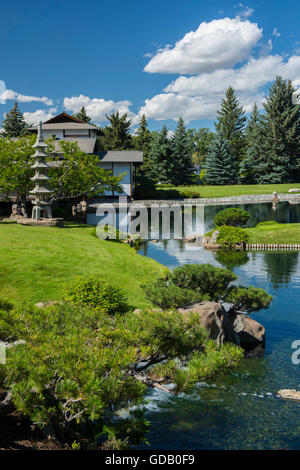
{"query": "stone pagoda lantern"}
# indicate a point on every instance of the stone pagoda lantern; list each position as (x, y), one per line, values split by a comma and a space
(41, 212)
(41, 193)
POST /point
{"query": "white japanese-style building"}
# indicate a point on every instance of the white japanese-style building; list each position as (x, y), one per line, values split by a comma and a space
(66, 127)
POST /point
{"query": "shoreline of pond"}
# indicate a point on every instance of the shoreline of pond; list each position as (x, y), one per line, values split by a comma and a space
(245, 199)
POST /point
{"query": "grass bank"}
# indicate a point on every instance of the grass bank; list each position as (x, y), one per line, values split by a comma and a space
(223, 191)
(35, 262)
(274, 233)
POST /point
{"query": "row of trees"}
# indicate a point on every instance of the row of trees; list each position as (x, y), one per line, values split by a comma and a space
(265, 148)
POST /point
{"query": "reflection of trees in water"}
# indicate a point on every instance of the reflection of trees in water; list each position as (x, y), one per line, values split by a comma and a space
(231, 259)
(285, 213)
(280, 267)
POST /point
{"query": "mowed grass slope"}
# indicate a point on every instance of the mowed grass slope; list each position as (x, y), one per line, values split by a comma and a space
(226, 191)
(35, 262)
(274, 233)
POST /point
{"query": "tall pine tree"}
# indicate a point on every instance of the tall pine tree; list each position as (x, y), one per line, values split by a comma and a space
(219, 166)
(159, 157)
(249, 168)
(282, 135)
(116, 134)
(144, 185)
(14, 124)
(180, 169)
(82, 116)
(230, 124)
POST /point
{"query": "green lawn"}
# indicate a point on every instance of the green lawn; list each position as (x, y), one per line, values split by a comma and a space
(225, 191)
(275, 233)
(35, 262)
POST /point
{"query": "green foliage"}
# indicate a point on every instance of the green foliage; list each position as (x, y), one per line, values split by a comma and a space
(231, 216)
(231, 236)
(201, 140)
(255, 143)
(14, 124)
(266, 223)
(281, 162)
(5, 305)
(220, 167)
(167, 295)
(15, 166)
(78, 369)
(117, 134)
(159, 157)
(97, 294)
(248, 299)
(230, 124)
(200, 365)
(192, 282)
(209, 281)
(180, 164)
(231, 258)
(273, 154)
(82, 116)
(142, 138)
(78, 173)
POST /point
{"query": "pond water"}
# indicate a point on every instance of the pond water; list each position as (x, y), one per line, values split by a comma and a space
(239, 410)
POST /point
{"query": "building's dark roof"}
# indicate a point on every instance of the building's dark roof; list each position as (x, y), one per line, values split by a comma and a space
(119, 156)
(64, 121)
(63, 117)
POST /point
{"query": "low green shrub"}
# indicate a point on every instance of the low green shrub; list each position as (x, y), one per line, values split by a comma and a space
(232, 216)
(230, 236)
(97, 294)
(208, 280)
(167, 295)
(267, 222)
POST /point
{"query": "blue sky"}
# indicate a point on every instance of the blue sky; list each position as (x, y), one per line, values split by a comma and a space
(164, 58)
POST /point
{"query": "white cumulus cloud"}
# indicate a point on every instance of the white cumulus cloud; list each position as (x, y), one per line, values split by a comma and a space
(39, 115)
(13, 95)
(250, 77)
(97, 108)
(218, 44)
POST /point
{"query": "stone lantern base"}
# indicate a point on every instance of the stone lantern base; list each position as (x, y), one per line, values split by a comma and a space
(42, 222)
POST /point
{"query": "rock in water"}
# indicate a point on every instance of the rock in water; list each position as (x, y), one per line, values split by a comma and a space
(214, 318)
(214, 236)
(248, 330)
(290, 394)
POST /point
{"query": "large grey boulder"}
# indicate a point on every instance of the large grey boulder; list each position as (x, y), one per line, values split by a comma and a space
(248, 330)
(222, 327)
(214, 318)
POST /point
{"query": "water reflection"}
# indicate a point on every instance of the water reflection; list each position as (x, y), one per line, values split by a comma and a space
(240, 409)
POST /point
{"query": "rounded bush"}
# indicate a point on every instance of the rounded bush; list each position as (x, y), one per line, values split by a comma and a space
(231, 216)
(97, 294)
(231, 235)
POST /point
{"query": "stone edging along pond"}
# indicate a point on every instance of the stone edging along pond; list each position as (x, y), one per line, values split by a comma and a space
(245, 199)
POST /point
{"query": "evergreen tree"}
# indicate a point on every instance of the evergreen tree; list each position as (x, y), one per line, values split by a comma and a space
(159, 157)
(180, 169)
(144, 185)
(116, 134)
(220, 167)
(249, 168)
(142, 139)
(282, 135)
(14, 123)
(230, 124)
(82, 116)
(202, 139)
